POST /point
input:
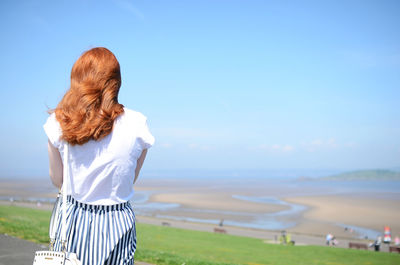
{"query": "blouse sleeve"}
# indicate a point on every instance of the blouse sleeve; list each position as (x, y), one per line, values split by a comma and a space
(146, 139)
(53, 130)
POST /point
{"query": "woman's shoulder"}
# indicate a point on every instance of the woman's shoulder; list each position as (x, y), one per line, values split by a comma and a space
(137, 122)
(134, 116)
(52, 129)
(52, 124)
(52, 118)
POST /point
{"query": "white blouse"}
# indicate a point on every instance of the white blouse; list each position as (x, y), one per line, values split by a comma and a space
(102, 172)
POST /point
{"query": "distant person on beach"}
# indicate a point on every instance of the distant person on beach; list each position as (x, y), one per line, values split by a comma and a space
(107, 145)
(334, 241)
(377, 243)
(397, 241)
(329, 238)
(283, 238)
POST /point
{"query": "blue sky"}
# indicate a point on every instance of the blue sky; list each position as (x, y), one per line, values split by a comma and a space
(224, 84)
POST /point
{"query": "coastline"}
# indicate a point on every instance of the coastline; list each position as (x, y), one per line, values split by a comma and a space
(335, 212)
(216, 201)
(362, 216)
(307, 232)
(269, 208)
(268, 236)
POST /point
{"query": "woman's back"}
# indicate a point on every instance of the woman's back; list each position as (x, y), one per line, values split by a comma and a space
(102, 172)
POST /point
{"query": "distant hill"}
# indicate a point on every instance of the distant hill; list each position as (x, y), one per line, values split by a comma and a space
(378, 174)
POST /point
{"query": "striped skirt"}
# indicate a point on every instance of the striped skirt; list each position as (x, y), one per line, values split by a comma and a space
(99, 234)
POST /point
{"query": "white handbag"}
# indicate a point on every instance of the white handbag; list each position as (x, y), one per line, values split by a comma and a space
(52, 257)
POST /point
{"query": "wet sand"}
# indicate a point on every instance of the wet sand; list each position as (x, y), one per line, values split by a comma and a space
(200, 201)
(326, 211)
(216, 201)
(324, 214)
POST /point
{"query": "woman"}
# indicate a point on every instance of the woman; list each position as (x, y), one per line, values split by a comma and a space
(107, 145)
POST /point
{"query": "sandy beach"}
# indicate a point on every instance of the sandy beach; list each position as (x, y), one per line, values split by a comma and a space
(201, 206)
(216, 201)
(325, 212)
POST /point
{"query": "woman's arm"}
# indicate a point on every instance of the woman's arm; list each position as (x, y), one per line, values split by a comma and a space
(55, 165)
(140, 164)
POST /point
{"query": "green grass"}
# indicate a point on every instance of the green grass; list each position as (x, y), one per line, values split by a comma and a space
(167, 245)
(26, 223)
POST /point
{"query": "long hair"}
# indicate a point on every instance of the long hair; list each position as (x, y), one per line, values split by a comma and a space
(89, 108)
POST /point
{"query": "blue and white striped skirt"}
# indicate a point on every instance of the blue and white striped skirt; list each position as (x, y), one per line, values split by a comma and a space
(99, 234)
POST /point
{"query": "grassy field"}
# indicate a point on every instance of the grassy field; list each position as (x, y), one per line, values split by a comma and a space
(167, 245)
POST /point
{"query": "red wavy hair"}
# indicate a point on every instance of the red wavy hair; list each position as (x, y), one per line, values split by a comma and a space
(89, 108)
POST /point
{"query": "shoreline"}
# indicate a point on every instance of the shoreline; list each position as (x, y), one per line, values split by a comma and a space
(295, 207)
(305, 227)
(267, 236)
(342, 215)
(349, 211)
(321, 214)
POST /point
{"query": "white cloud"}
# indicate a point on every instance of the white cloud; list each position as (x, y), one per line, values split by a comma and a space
(331, 143)
(128, 6)
(319, 144)
(316, 142)
(277, 148)
(314, 145)
(287, 148)
(166, 145)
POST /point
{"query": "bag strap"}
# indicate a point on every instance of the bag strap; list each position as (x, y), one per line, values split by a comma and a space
(64, 197)
(54, 217)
